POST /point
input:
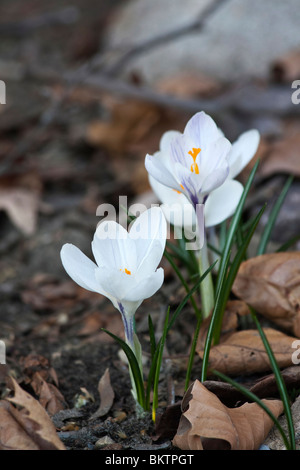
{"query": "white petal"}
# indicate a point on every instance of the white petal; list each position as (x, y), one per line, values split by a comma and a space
(146, 287)
(150, 225)
(112, 246)
(242, 151)
(149, 231)
(166, 140)
(214, 156)
(201, 130)
(222, 202)
(115, 282)
(159, 171)
(80, 268)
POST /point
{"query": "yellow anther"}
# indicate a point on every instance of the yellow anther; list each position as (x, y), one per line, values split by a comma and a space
(179, 192)
(194, 153)
(126, 271)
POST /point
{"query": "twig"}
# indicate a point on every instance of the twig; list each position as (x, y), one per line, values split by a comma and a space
(246, 98)
(67, 15)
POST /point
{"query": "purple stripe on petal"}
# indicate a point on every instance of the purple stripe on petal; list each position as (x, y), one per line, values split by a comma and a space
(128, 326)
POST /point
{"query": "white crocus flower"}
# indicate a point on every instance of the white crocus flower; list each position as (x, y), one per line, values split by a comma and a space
(221, 202)
(194, 163)
(126, 264)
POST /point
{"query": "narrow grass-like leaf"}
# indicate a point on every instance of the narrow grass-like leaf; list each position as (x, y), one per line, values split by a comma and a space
(192, 354)
(187, 297)
(288, 244)
(135, 369)
(273, 217)
(183, 281)
(222, 295)
(214, 249)
(211, 327)
(251, 396)
(171, 323)
(160, 350)
(279, 380)
(234, 224)
(152, 337)
(229, 280)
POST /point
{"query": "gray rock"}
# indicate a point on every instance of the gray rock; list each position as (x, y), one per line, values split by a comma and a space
(241, 39)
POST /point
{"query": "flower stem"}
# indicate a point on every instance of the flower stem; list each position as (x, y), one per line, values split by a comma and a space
(133, 342)
(206, 286)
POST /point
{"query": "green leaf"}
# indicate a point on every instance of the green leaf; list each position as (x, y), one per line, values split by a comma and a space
(182, 280)
(211, 327)
(230, 236)
(134, 366)
(279, 380)
(152, 337)
(233, 270)
(158, 362)
(223, 292)
(288, 244)
(273, 217)
(152, 370)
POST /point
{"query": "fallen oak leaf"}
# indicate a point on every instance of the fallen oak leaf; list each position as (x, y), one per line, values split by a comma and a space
(208, 424)
(270, 283)
(27, 427)
(244, 352)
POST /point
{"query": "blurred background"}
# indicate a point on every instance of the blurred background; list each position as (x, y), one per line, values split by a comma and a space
(91, 85)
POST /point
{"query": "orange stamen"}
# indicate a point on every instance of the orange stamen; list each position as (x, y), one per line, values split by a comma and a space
(126, 271)
(179, 192)
(194, 153)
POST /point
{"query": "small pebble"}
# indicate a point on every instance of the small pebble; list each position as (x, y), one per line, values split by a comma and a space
(104, 441)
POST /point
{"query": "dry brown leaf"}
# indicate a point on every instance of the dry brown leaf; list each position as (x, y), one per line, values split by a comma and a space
(234, 309)
(208, 424)
(49, 396)
(43, 379)
(283, 157)
(189, 85)
(270, 283)
(19, 198)
(107, 395)
(267, 386)
(244, 352)
(130, 122)
(27, 426)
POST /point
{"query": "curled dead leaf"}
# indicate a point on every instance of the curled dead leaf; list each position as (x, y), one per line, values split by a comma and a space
(27, 425)
(208, 424)
(107, 395)
(270, 283)
(244, 353)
